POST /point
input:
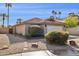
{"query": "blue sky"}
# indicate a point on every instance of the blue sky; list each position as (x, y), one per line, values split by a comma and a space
(27, 11)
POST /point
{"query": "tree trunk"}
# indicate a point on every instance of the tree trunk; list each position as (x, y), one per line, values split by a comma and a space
(8, 17)
(3, 20)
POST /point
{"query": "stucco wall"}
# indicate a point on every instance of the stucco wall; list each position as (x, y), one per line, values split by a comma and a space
(14, 30)
(20, 29)
(54, 28)
(45, 28)
(26, 29)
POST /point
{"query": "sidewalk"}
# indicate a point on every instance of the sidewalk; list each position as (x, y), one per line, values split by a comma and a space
(35, 53)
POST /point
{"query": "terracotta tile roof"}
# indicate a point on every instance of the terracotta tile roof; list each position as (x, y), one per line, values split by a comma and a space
(44, 21)
(34, 21)
(55, 22)
(41, 21)
(31, 21)
(17, 25)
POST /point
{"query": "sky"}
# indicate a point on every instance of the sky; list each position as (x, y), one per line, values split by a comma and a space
(27, 11)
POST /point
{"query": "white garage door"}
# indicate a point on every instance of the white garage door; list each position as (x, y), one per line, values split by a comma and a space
(54, 28)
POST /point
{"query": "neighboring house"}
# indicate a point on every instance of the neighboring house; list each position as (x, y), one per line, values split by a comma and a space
(45, 24)
(74, 31)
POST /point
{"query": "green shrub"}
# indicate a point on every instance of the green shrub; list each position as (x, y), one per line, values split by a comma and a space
(57, 37)
(36, 31)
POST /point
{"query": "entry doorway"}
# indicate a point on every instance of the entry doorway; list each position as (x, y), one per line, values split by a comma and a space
(11, 31)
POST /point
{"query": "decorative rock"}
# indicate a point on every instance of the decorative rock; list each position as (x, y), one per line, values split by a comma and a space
(34, 45)
(73, 43)
(4, 41)
(5, 47)
(25, 45)
(25, 49)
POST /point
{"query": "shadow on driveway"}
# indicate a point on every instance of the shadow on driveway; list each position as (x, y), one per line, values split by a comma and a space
(15, 38)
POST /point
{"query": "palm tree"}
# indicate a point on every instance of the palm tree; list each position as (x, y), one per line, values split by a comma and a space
(19, 21)
(8, 5)
(51, 18)
(59, 14)
(54, 13)
(72, 14)
(3, 15)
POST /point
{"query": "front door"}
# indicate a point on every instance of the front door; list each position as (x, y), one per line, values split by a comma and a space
(11, 30)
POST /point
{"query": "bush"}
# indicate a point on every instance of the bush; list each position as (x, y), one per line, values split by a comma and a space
(36, 31)
(57, 37)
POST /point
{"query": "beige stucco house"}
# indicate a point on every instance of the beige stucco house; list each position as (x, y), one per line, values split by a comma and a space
(18, 29)
(45, 24)
(54, 25)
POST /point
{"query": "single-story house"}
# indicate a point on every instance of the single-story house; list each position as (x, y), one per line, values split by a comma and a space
(74, 31)
(18, 29)
(43, 23)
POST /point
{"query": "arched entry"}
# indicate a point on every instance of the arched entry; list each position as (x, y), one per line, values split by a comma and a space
(36, 31)
(10, 30)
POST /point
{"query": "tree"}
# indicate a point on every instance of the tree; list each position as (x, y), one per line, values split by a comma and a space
(71, 21)
(59, 14)
(8, 5)
(54, 13)
(51, 18)
(3, 15)
(19, 21)
(72, 14)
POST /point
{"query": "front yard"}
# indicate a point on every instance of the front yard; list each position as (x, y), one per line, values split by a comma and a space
(20, 44)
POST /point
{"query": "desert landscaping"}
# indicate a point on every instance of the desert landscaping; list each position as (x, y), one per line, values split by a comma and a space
(38, 30)
(18, 45)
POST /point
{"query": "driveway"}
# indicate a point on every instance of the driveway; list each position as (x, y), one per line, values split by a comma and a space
(16, 38)
(73, 37)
